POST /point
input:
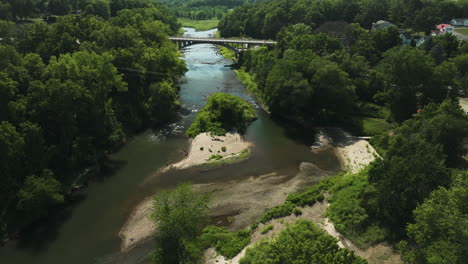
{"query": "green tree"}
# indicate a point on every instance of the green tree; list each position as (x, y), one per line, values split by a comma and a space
(179, 216)
(440, 229)
(406, 70)
(411, 170)
(59, 7)
(39, 194)
(99, 8)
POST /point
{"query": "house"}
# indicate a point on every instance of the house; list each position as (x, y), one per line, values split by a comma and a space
(459, 22)
(407, 39)
(381, 24)
(442, 29)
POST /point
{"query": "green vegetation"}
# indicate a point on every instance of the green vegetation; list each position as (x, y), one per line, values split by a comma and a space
(440, 226)
(221, 114)
(243, 155)
(223, 149)
(179, 215)
(363, 205)
(266, 229)
(73, 90)
(200, 25)
(463, 31)
(227, 53)
(369, 126)
(302, 242)
(215, 157)
(201, 9)
(265, 19)
(347, 210)
(226, 243)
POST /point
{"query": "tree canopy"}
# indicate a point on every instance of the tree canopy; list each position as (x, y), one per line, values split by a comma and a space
(221, 114)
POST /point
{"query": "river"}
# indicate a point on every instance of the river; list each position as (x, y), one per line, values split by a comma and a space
(87, 232)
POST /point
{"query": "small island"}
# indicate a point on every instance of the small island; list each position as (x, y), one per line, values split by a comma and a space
(217, 132)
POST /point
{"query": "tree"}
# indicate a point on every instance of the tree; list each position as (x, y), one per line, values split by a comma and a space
(411, 170)
(179, 216)
(99, 8)
(440, 229)
(39, 194)
(406, 70)
(59, 7)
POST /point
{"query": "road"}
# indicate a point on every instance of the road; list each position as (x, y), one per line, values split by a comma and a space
(461, 36)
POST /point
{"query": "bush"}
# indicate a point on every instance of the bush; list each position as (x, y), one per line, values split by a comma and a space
(201, 148)
(221, 114)
(266, 229)
(215, 157)
(302, 242)
(226, 243)
(297, 211)
(348, 213)
(223, 148)
(277, 212)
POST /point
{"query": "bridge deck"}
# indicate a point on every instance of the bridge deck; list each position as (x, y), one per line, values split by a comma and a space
(221, 40)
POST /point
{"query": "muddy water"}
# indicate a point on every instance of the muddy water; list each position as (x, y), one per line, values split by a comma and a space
(88, 231)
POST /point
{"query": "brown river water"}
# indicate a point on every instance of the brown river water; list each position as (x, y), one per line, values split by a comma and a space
(87, 232)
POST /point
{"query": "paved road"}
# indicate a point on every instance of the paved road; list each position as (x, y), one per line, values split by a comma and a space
(221, 40)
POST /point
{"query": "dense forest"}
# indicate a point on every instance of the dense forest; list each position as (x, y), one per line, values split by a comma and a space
(329, 68)
(202, 9)
(72, 91)
(265, 19)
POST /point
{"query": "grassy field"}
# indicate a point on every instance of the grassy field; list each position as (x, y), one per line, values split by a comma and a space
(200, 25)
(463, 31)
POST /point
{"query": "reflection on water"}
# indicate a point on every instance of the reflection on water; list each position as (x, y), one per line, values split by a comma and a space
(88, 231)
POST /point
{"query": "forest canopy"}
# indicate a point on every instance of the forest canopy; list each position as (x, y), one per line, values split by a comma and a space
(223, 113)
(74, 90)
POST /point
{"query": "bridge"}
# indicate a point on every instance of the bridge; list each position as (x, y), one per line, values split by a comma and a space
(236, 45)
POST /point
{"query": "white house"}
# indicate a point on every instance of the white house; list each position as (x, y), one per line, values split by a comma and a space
(459, 22)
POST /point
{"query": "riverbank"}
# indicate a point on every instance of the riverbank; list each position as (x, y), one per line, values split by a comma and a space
(239, 203)
(354, 154)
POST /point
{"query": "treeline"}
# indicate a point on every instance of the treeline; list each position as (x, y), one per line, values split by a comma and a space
(202, 9)
(265, 19)
(316, 78)
(24, 9)
(73, 90)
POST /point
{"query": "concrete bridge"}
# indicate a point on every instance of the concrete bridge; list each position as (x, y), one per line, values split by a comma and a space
(236, 45)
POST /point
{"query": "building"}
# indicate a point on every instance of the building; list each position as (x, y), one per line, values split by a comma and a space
(459, 22)
(381, 24)
(442, 29)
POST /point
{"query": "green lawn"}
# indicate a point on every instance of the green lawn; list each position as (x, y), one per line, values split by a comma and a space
(200, 25)
(463, 31)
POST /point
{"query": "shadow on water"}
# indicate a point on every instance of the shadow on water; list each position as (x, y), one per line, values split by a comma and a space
(38, 236)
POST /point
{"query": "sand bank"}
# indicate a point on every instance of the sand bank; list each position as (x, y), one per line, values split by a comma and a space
(204, 146)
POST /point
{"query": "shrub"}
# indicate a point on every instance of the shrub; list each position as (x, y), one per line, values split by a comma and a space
(223, 148)
(266, 229)
(201, 148)
(215, 157)
(226, 243)
(302, 242)
(297, 211)
(277, 212)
